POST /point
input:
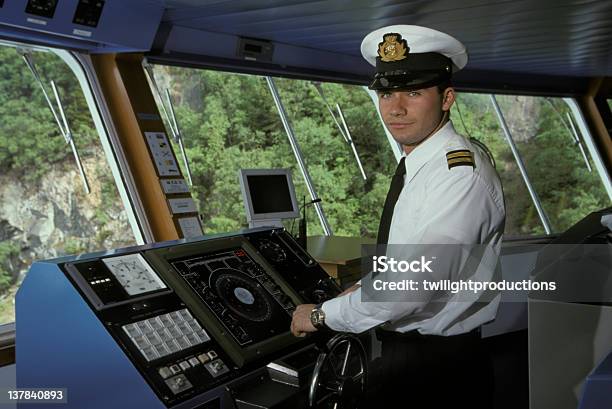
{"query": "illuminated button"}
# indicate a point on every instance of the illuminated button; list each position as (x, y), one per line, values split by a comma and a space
(144, 327)
(184, 327)
(175, 332)
(194, 325)
(216, 368)
(176, 316)
(203, 335)
(154, 339)
(203, 358)
(172, 346)
(178, 384)
(166, 320)
(162, 350)
(212, 355)
(149, 353)
(193, 339)
(140, 341)
(165, 336)
(183, 342)
(155, 323)
(194, 361)
(175, 369)
(184, 365)
(132, 330)
(164, 372)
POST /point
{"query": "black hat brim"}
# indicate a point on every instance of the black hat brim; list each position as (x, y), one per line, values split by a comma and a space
(408, 81)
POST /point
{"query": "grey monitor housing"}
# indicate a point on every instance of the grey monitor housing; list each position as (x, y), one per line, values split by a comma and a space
(269, 196)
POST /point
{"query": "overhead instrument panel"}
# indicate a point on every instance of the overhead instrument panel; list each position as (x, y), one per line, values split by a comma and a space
(42, 8)
(88, 12)
(92, 26)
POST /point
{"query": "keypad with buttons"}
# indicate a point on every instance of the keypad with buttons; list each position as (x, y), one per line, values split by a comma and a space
(165, 334)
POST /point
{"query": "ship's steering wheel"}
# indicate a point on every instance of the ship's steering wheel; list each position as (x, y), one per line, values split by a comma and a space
(339, 377)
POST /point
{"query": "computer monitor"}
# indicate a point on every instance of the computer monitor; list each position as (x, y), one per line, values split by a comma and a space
(269, 196)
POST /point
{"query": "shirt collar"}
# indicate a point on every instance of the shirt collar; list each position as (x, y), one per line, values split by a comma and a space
(426, 150)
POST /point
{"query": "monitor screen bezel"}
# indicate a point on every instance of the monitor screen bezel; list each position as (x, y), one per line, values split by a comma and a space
(247, 198)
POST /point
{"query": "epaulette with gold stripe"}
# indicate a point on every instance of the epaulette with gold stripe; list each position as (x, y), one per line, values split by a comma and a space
(460, 157)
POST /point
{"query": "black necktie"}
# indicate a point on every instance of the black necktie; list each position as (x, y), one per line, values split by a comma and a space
(395, 188)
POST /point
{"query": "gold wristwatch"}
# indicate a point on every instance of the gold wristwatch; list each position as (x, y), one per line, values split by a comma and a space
(317, 317)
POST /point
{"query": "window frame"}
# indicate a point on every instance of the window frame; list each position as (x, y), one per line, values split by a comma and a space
(81, 67)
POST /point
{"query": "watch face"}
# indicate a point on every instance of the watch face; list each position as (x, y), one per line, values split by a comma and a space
(317, 317)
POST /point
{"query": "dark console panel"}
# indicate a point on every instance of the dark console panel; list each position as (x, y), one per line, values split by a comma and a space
(197, 315)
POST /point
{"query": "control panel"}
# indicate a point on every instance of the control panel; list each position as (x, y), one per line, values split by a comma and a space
(88, 12)
(43, 8)
(95, 26)
(194, 316)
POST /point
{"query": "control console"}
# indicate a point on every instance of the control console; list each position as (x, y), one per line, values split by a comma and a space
(191, 317)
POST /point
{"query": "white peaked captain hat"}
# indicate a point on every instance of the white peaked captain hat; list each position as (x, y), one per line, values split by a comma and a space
(412, 57)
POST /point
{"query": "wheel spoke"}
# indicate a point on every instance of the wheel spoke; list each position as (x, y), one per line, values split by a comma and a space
(346, 357)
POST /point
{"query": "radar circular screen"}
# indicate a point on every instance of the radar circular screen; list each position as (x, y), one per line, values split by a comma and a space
(242, 295)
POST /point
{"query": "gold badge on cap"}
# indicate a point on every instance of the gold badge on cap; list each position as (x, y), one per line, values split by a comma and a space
(392, 48)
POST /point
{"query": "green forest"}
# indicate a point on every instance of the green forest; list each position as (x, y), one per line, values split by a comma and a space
(229, 122)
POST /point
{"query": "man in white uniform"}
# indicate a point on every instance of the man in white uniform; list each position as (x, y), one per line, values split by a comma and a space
(444, 191)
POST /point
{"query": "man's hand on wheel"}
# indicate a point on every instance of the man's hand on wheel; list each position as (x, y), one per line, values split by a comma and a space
(300, 324)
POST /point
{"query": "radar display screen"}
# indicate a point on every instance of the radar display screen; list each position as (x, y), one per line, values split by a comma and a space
(134, 274)
(239, 292)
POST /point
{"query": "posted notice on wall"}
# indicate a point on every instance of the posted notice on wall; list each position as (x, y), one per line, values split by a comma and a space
(162, 154)
(190, 226)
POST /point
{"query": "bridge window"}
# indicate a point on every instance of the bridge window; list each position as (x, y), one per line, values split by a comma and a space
(230, 121)
(45, 211)
(551, 178)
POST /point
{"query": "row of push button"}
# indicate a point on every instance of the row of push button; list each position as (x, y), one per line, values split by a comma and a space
(165, 371)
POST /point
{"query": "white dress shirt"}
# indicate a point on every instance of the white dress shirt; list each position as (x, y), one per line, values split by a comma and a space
(437, 205)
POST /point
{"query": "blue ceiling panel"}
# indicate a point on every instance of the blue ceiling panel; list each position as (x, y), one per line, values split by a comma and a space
(548, 37)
